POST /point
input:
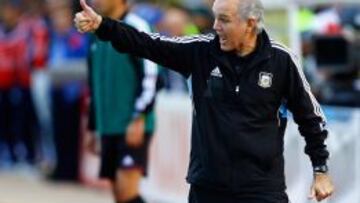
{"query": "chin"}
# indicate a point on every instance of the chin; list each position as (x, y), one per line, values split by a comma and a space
(225, 48)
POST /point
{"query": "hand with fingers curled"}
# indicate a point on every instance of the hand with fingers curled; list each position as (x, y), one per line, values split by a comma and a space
(87, 20)
(322, 187)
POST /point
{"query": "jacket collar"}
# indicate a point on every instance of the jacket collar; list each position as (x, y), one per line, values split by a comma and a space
(262, 51)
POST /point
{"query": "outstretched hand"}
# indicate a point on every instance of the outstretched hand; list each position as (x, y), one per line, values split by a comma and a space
(87, 20)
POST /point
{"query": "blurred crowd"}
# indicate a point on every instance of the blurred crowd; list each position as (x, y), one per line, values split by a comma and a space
(42, 109)
(37, 117)
(43, 88)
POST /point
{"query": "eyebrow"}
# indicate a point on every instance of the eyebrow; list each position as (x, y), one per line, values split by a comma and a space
(223, 16)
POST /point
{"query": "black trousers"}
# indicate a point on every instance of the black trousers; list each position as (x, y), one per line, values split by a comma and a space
(66, 123)
(18, 123)
(203, 195)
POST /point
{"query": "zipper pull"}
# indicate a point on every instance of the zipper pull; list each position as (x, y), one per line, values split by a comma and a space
(237, 89)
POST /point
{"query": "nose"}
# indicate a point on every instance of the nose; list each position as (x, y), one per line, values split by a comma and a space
(216, 25)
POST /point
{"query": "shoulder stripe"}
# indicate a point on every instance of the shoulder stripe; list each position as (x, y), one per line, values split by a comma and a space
(184, 39)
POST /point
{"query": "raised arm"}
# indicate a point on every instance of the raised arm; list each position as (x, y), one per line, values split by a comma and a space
(177, 53)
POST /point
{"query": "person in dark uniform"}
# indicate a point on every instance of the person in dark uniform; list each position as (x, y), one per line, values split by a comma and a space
(240, 80)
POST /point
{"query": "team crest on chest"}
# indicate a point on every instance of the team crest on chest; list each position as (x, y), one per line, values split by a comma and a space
(265, 79)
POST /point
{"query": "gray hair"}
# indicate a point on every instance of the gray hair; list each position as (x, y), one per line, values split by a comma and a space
(252, 9)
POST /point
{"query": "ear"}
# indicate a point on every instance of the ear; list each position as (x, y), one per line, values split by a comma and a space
(251, 25)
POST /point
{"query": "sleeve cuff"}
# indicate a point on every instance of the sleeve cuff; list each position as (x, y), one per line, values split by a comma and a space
(104, 30)
(320, 169)
(316, 163)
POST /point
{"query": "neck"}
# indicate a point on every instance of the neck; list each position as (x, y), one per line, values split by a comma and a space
(118, 11)
(248, 46)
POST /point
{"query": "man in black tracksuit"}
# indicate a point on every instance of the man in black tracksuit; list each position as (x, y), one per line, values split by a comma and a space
(240, 80)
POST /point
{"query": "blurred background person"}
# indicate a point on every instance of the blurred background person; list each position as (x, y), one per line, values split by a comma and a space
(203, 19)
(148, 11)
(176, 22)
(123, 89)
(23, 50)
(67, 53)
(35, 12)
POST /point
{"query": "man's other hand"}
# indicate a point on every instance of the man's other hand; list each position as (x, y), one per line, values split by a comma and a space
(322, 187)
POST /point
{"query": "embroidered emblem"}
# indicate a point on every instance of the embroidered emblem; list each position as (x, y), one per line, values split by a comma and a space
(265, 79)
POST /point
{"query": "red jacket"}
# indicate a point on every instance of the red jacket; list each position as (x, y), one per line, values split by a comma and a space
(22, 50)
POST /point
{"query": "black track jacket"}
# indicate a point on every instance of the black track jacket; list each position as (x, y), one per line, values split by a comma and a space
(237, 135)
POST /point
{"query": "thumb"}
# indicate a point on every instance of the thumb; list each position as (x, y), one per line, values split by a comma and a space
(84, 6)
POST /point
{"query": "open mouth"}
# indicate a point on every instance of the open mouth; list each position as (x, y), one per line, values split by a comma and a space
(222, 39)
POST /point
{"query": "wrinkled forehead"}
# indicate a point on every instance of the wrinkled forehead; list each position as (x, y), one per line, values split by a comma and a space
(225, 7)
